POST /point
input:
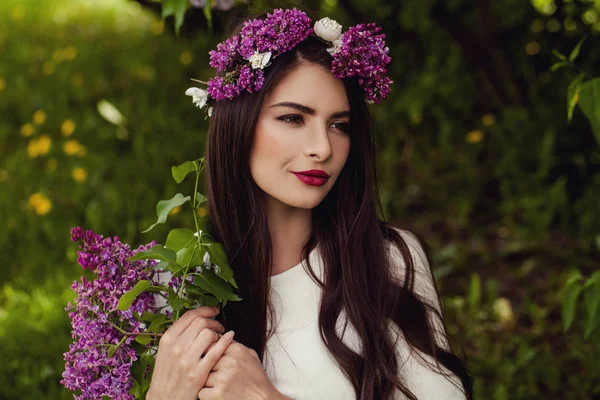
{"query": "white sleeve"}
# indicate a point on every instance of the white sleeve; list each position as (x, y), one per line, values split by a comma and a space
(426, 383)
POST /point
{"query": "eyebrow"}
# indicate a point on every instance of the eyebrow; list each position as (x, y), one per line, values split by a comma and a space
(308, 110)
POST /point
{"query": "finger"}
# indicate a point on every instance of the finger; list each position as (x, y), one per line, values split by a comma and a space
(207, 394)
(211, 357)
(212, 380)
(196, 327)
(187, 318)
(198, 347)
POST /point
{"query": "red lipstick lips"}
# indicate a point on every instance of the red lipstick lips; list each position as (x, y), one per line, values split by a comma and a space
(313, 177)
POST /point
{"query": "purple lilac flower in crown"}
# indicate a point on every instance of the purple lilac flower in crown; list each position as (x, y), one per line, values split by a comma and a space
(360, 52)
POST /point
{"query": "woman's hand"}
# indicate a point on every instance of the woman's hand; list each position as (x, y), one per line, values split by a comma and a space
(181, 370)
(239, 375)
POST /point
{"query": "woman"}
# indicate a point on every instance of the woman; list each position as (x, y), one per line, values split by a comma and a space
(330, 292)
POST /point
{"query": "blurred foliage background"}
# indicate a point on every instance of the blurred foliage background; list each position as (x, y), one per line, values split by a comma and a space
(475, 154)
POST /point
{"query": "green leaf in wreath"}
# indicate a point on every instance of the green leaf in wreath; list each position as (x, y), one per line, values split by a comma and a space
(157, 252)
(179, 238)
(181, 171)
(208, 280)
(164, 208)
(127, 299)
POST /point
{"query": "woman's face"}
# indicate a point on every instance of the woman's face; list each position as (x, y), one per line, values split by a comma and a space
(303, 125)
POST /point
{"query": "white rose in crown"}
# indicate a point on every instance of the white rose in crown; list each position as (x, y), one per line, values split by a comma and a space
(328, 29)
(199, 96)
(259, 60)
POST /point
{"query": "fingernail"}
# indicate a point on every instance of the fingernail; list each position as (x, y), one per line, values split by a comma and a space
(229, 334)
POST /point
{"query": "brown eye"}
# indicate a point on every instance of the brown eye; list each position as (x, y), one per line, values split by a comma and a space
(343, 126)
(294, 119)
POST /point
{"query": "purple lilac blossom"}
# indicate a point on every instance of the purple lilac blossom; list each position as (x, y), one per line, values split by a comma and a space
(88, 367)
(363, 54)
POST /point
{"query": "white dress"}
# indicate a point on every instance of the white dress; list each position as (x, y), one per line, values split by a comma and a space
(300, 366)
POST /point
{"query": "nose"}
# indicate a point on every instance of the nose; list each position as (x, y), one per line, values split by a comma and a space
(318, 146)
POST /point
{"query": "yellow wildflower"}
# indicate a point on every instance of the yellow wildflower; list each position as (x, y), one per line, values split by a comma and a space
(40, 203)
(175, 211)
(201, 212)
(27, 130)
(67, 127)
(79, 174)
(70, 52)
(2, 84)
(39, 117)
(475, 136)
(73, 147)
(488, 119)
(186, 57)
(40, 146)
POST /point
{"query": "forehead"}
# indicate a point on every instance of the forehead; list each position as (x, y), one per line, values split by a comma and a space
(313, 86)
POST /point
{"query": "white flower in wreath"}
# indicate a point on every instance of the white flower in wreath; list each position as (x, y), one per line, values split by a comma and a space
(199, 96)
(328, 29)
(337, 44)
(259, 60)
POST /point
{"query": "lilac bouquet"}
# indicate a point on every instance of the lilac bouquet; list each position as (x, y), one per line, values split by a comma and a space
(119, 316)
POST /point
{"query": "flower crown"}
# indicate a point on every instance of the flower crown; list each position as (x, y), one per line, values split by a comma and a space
(360, 52)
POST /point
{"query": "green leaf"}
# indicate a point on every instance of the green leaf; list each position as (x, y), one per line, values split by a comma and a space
(208, 280)
(181, 171)
(474, 294)
(589, 102)
(218, 257)
(164, 207)
(143, 339)
(573, 95)
(575, 51)
(179, 238)
(591, 297)
(200, 198)
(157, 325)
(158, 252)
(191, 255)
(128, 297)
(135, 389)
(559, 65)
(559, 55)
(176, 8)
(569, 299)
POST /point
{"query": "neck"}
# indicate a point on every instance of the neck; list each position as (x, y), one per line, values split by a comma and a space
(289, 228)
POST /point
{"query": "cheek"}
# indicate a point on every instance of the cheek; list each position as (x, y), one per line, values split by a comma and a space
(270, 146)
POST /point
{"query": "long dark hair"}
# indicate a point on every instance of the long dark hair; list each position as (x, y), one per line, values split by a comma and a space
(351, 237)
